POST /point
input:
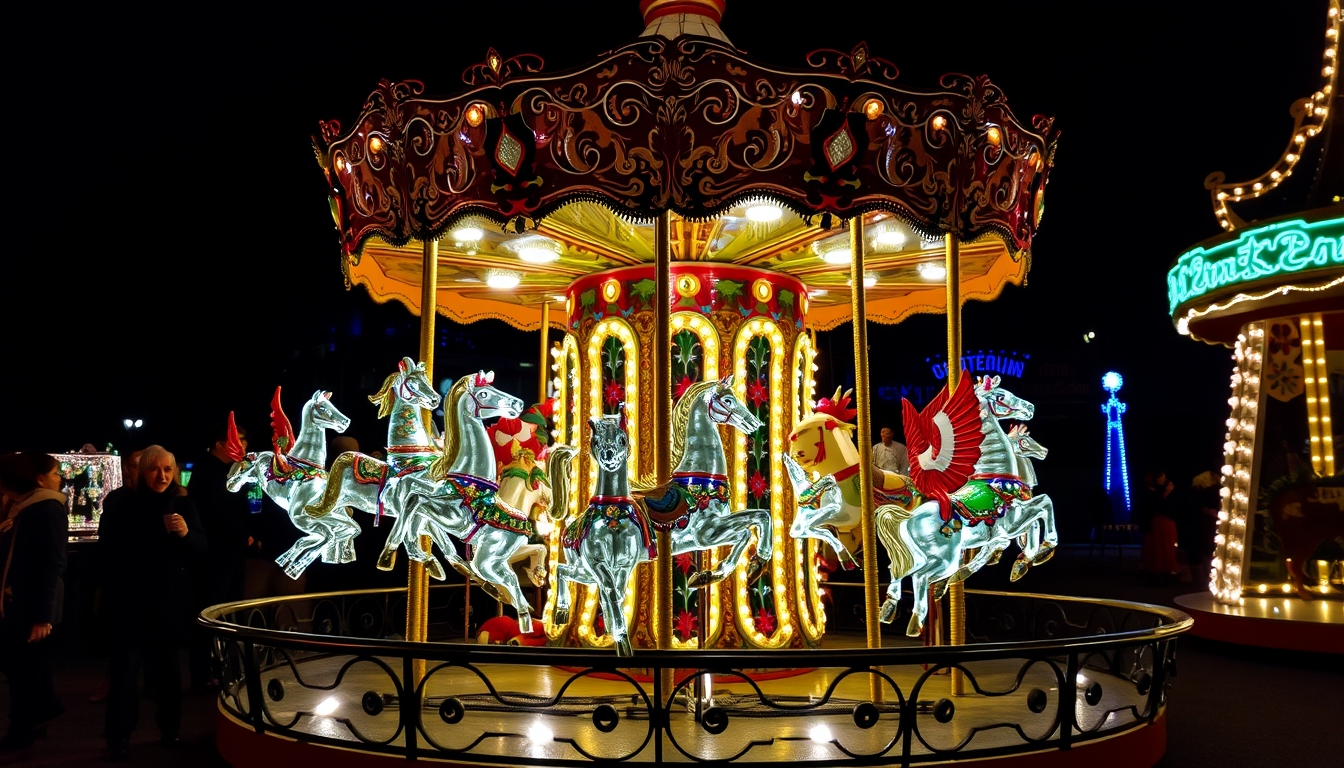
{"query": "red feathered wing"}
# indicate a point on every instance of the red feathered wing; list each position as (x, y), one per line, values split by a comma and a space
(282, 432)
(944, 442)
(234, 445)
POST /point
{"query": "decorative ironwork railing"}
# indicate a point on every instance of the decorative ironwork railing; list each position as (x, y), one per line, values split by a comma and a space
(1042, 672)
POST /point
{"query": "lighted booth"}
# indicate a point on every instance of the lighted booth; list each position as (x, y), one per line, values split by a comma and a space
(1273, 291)
(670, 215)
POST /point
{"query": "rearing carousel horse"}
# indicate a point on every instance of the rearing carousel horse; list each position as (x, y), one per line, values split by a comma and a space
(293, 475)
(965, 464)
(520, 449)
(831, 508)
(373, 486)
(607, 540)
(694, 506)
(459, 497)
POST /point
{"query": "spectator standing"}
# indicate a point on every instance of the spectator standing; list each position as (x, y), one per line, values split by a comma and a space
(891, 455)
(33, 534)
(150, 541)
(1157, 519)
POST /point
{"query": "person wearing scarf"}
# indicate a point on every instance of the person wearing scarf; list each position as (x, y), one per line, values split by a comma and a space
(33, 534)
(151, 540)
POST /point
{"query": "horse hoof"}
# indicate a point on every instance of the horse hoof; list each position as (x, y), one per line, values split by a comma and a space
(1044, 555)
(387, 559)
(701, 579)
(495, 592)
(623, 647)
(525, 623)
(848, 563)
(756, 570)
(434, 570)
(915, 628)
(1020, 568)
(888, 612)
(561, 616)
(994, 558)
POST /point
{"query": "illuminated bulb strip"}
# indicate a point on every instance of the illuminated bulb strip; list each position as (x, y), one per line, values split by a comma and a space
(1316, 380)
(806, 583)
(611, 326)
(709, 342)
(1183, 323)
(783, 617)
(1309, 117)
(1225, 579)
(568, 432)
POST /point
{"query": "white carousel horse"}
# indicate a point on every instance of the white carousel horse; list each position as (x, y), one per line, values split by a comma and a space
(376, 487)
(830, 510)
(608, 539)
(527, 492)
(459, 497)
(989, 507)
(293, 475)
(695, 506)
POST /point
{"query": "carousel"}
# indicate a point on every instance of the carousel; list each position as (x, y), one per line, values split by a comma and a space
(677, 222)
(1271, 288)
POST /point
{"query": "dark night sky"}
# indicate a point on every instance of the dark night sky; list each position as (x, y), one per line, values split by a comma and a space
(171, 255)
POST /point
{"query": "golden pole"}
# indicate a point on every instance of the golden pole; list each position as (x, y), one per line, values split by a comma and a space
(417, 582)
(544, 363)
(956, 605)
(662, 421)
(858, 305)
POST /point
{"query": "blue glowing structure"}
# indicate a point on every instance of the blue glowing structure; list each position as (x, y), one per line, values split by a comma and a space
(1115, 446)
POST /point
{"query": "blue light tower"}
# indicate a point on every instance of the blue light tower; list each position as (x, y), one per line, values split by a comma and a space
(1117, 470)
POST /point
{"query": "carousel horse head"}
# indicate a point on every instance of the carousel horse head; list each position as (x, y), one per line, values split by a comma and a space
(324, 414)
(1024, 444)
(1001, 403)
(725, 408)
(409, 384)
(823, 438)
(488, 402)
(610, 443)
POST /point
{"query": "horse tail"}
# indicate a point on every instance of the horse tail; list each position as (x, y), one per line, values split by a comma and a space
(331, 493)
(890, 531)
(557, 469)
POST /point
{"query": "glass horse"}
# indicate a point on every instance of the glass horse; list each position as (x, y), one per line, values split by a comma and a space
(989, 511)
(294, 475)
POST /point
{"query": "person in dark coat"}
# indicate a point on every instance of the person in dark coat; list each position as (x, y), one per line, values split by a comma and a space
(33, 534)
(151, 540)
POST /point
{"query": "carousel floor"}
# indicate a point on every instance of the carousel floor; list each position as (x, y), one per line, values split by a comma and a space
(523, 717)
(1287, 623)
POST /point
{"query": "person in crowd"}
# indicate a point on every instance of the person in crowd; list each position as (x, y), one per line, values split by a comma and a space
(33, 536)
(130, 473)
(227, 516)
(1154, 510)
(891, 455)
(151, 540)
(1197, 523)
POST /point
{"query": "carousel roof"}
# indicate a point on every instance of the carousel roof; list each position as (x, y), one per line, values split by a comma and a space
(536, 179)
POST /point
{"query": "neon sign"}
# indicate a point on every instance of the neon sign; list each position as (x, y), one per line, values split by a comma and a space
(1288, 247)
(984, 361)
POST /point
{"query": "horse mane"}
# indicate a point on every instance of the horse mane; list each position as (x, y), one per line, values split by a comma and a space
(681, 419)
(384, 398)
(451, 445)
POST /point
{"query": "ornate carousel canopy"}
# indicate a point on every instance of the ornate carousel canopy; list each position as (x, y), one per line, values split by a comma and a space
(532, 179)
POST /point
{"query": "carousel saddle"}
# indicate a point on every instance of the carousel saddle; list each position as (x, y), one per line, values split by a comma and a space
(664, 506)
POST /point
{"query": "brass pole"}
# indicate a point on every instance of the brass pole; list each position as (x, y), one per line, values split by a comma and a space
(662, 421)
(544, 364)
(417, 582)
(956, 605)
(858, 305)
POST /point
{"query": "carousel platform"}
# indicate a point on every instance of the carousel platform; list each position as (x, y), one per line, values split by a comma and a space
(1048, 681)
(1285, 623)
